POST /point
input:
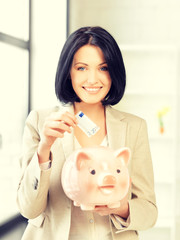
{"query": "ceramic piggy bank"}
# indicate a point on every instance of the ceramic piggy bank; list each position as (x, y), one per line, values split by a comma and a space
(96, 176)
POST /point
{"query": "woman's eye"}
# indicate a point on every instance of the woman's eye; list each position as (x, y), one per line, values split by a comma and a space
(104, 68)
(81, 68)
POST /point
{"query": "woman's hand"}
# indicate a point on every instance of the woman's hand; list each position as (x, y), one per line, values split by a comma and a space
(122, 211)
(54, 127)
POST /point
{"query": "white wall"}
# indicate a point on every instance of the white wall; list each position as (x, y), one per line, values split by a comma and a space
(130, 21)
(48, 37)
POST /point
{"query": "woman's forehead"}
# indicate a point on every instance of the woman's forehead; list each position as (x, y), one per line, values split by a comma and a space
(89, 53)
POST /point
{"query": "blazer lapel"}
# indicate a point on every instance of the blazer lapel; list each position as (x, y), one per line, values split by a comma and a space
(116, 128)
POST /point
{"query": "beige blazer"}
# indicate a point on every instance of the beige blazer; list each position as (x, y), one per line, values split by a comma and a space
(40, 196)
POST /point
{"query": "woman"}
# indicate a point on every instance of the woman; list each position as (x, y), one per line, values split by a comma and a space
(90, 78)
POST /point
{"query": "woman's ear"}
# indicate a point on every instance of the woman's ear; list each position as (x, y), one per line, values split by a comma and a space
(123, 154)
(81, 159)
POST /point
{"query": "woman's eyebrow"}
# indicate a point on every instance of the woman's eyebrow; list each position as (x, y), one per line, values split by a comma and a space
(102, 63)
(87, 64)
(80, 63)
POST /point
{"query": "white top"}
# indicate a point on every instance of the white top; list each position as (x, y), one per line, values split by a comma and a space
(87, 225)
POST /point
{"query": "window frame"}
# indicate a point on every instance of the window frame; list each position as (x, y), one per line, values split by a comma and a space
(22, 44)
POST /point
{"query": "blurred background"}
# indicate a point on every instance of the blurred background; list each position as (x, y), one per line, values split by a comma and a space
(32, 34)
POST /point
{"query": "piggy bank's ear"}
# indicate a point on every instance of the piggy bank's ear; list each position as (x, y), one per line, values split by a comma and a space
(81, 159)
(123, 154)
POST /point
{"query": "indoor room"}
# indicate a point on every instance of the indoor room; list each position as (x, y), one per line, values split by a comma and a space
(32, 35)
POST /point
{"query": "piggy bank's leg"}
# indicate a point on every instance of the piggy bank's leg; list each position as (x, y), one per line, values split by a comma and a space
(76, 204)
(114, 205)
(87, 207)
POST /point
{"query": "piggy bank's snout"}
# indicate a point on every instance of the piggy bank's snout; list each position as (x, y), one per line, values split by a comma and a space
(108, 180)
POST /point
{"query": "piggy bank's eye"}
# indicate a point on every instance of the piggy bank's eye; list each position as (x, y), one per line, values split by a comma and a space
(118, 170)
(93, 172)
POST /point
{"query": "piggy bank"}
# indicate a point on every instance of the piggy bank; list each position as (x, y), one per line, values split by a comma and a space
(96, 176)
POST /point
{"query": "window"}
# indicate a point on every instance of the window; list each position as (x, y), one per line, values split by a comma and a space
(14, 18)
(14, 82)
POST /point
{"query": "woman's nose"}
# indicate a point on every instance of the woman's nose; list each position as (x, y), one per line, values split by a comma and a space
(92, 77)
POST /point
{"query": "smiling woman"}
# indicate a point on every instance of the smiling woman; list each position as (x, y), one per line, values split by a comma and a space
(90, 77)
(101, 44)
(89, 73)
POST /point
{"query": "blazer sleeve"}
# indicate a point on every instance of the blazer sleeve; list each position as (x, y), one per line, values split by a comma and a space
(142, 205)
(34, 183)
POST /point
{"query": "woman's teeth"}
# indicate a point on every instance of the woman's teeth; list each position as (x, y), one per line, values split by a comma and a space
(92, 89)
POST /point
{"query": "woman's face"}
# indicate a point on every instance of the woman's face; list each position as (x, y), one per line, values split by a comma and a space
(89, 74)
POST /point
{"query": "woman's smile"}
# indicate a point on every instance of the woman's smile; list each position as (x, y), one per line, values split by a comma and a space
(92, 90)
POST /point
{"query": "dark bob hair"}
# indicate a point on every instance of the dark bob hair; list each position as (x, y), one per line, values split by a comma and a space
(99, 37)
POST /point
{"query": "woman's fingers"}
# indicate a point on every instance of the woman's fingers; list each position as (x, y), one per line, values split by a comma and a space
(54, 133)
(60, 123)
(65, 117)
(56, 125)
(60, 126)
